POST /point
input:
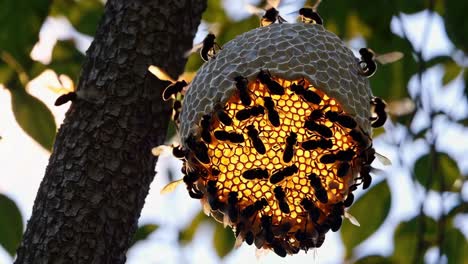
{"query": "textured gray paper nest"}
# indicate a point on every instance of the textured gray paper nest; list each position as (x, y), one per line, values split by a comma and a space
(289, 51)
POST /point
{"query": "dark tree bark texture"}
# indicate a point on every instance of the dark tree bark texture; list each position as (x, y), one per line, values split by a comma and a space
(89, 202)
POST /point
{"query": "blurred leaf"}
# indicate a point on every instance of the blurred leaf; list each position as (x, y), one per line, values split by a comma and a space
(374, 259)
(215, 13)
(223, 240)
(447, 169)
(370, 210)
(143, 232)
(186, 235)
(406, 239)
(452, 70)
(34, 117)
(84, 15)
(455, 246)
(335, 15)
(66, 59)
(438, 60)
(5, 72)
(11, 225)
(461, 208)
(232, 29)
(456, 23)
(194, 62)
(21, 21)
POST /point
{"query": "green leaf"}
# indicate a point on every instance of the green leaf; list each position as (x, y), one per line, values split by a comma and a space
(215, 13)
(452, 70)
(445, 168)
(456, 23)
(406, 239)
(143, 232)
(34, 117)
(438, 60)
(11, 225)
(20, 22)
(186, 235)
(374, 259)
(455, 246)
(66, 59)
(84, 15)
(223, 240)
(370, 210)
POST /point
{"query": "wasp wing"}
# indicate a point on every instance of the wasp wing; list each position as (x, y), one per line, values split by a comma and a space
(273, 3)
(157, 151)
(254, 10)
(194, 49)
(170, 187)
(160, 74)
(351, 219)
(384, 160)
(389, 57)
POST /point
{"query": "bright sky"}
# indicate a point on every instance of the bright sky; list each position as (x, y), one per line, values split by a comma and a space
(23, 164)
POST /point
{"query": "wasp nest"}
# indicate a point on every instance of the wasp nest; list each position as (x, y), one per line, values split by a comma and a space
(275, 130)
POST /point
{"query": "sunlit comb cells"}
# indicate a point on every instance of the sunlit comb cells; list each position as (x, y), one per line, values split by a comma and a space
(274, 134)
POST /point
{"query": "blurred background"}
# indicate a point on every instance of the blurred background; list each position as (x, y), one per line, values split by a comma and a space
(416, 210)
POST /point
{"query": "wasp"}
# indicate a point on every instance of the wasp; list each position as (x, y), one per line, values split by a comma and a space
(223, 117)
(334, 218)
(314, 144)
(342, 119)
(213, 200)
(279, 250)
(266, 222)
(273, 115)
(308, 95)
(320, 192)
(205, 125)
(368, 64)
(343, 169)
(234, 137)
(252, 133)
(310, 16)
(280, 195)
(249, 238)
(271, 14)
(178, 152)
(283, 173)
(241, 85)
(323, 130)
(309, 206)
(255, 174)
(250, 210)
(345, 155)
(328, 158)
(250, 112)
(349, 200)
(199, 148)
(233, 210)
(365, 176)
(288, 153)
(208, 47)
(359, 137)
(273, 86)
(379, 115)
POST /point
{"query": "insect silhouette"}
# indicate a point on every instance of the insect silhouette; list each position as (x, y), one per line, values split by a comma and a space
(256, 173)
(323, 130)
(273, 86)
(199, 148)
(178, 152)
(314, 144)
(368, 64)
(309, 16)
(229, 136)
(345, 155)
(320, 192)
(343, 169)
(241, 85)
(233, 210)
(349, 200)
(266, 222)
(288, 153)
(279, 250)
(205, 125)
(252, 133)
(176, 86)
(342, 119)
(250, 112)
(308, 95)
(223, 117)
(270, 13)
(250, 210)
(314, 212)
(328, 158)
(273, 115)
(379, 115)
(208, 47)
(280, 195)
(283, 173)
(213, 200)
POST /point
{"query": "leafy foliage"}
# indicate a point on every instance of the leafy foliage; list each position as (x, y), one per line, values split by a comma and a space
(431, 171)
(143, 232)
(11, 225)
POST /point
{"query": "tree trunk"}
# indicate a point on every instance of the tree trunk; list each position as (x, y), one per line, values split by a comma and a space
(88, 204)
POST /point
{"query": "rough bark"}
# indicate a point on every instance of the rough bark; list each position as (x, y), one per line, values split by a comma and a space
(88, 204)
